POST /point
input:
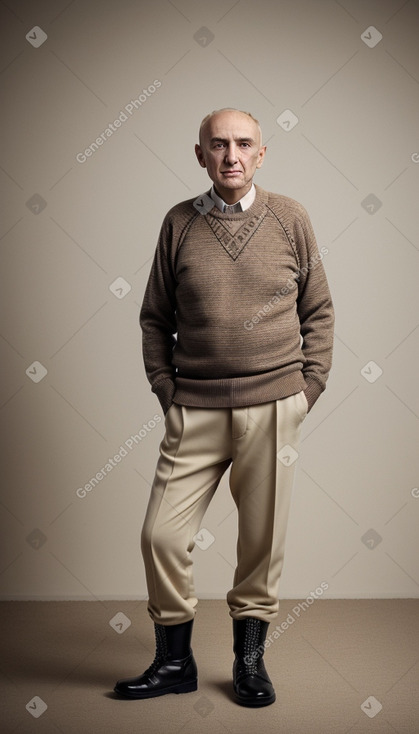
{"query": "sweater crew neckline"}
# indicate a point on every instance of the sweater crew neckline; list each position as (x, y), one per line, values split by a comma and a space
(256, 208)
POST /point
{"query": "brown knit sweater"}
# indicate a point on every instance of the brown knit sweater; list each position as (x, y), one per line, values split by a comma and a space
(226, 301)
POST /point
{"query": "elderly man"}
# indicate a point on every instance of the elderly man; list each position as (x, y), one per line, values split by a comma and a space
(237, 324)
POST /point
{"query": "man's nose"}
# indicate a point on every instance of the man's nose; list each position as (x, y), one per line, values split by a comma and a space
(231, 153)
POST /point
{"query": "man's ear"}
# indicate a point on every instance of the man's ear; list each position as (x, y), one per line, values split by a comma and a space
(261, 155)
(199, 154)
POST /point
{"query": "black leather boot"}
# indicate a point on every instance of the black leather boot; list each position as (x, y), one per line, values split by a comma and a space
(173, 669)
(251, 683)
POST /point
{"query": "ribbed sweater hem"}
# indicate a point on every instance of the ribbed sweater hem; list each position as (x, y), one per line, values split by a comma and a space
(238, 392)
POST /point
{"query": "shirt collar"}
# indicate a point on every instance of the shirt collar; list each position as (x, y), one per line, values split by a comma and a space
(245, 202)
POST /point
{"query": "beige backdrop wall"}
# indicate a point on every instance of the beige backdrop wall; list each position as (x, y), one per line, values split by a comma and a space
(335, 86)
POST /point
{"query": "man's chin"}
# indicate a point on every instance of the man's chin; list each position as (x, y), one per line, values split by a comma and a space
(232, 182)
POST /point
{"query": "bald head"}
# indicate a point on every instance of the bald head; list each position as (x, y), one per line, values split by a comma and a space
(225, 111)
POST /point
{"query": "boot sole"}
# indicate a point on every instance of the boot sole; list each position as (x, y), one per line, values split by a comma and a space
(254, 702)
(178, 688)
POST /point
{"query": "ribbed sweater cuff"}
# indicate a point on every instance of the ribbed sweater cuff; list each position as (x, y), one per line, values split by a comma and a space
(312, 391)
(165, 389)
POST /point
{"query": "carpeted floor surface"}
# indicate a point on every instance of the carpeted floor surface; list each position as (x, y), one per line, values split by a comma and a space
(338, 667)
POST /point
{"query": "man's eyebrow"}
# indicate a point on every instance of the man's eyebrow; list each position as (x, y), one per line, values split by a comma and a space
(224, 140)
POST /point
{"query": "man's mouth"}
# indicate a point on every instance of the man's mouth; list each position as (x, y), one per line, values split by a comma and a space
(230, 173)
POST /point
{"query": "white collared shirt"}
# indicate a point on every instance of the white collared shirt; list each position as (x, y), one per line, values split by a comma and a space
(245, 202)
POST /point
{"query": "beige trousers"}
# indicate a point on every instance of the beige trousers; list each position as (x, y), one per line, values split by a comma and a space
(260, 443)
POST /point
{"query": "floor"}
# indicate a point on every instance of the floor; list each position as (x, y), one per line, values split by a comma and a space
(338, 667)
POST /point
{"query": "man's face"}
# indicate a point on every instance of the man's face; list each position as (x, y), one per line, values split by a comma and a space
(230, 150)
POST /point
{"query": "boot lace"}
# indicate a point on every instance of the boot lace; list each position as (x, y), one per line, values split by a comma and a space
(251, 652)
(161, 649)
